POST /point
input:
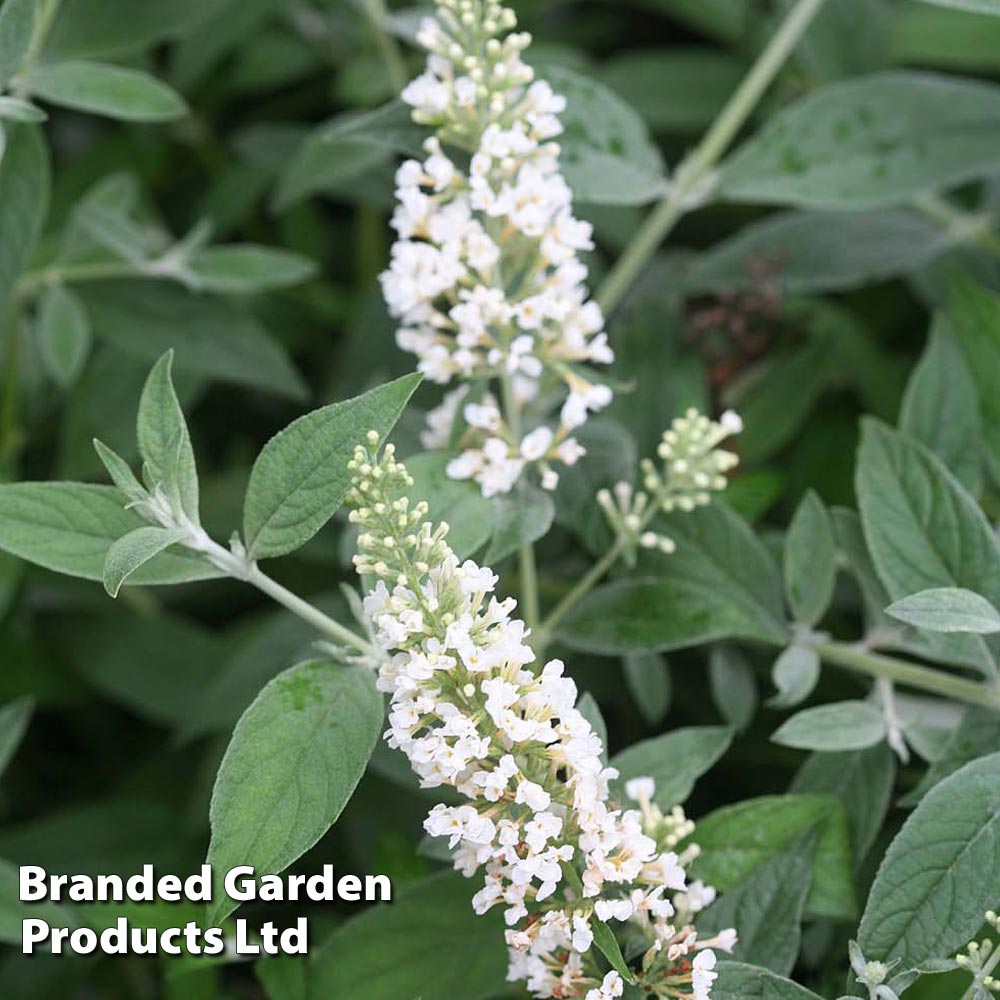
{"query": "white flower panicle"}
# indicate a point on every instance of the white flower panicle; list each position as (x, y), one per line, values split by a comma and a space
(981, 958)
(538, 821)
(485, 276)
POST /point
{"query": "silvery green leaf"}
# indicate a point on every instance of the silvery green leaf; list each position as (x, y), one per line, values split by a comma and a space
(521, 517)
(64, 334)
(738, 981)
(300, 478)
(293, 762)
(133, 551)
(934, 885)
(103, 89)
(69, 527)
(973, 6)
(247, 268)
(810, 560)
(13, 109)
(164, 441)
(795, 674)
(870, 142)
(846, 725)
(947, 609)
(941, 408)
(17, 25)
(734, 687)
(14, 719)
(120, 472)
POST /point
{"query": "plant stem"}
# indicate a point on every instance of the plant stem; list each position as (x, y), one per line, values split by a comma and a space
(391, 53)
(34, 281)
(910, 674)
(969, 227)
(695, 171)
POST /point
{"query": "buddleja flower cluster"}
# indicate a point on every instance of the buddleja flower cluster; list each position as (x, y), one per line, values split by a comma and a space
(485, 276)
(469, 712)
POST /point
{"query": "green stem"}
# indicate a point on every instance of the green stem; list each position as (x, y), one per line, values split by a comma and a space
(312, 615)
(968, 227)
(34, 281)
(695, 171)
(391, 53)
(910, 674)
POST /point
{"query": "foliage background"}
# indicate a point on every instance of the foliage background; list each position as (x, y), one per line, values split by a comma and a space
(134, 704)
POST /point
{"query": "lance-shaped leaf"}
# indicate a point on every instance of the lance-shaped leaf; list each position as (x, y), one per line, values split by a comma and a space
(132, 552)
(17, 24)
(301, 477)
(810, 560)
(14, 719)
(63, 334)
(947, 609)
(845, 725)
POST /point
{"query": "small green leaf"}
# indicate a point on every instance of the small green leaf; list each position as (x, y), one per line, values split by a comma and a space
(15, 110)
(17, 25)
(133, 552)
(300, 478)
(648, 678)
(246, 268)
(102, 89)
(795, 675)
(736, 839)
(941, 409)
(947, 609)
(606, 942)
(69, 527)
(810, 560)
(846, 725)
(164, 441)
(937, 878)
(14, 719)
(292, 764)
(64, 334)
(734, 686)
(869, 142)
(119, 470)
(441, 950)
(675, 761)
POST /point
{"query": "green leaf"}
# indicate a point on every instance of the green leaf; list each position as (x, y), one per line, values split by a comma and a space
(975, 318)
(810, 560)
(845, 725)
(246, 268)
(862, 780)
(283, 976)
(13, 911)
(738, 981)
(17, 25)
(520, 517)
(676, 89)
(90, 28)
(587, 706)
(441, 950)
(346, 147)
(64, 334)
(14, 719)
(767, 908)
(208, 335)
(720, 583)
(869, 142)
(974, 6)
(952, 39)
(132, 552)
(293, 763)
(102, 89)
(924, 531)
(940, 408)
(120, 471)
(675, 761)
(69, 527)
(607, 156)
(819, 251)
(647, 677)
(795, 674)
(164, 441)
(461, 504)
(300, 478)
(606, 942)
(934, 885)
(24, 197)
(947, 609)
(736, 840)
(734, 687)
(15, 110)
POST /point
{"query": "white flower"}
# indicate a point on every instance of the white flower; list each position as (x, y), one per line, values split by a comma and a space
(640, 789)
(612, 986)
(703, 974)
(535, 445)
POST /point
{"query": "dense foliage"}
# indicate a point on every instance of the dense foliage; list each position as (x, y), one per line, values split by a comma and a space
(221, 293)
